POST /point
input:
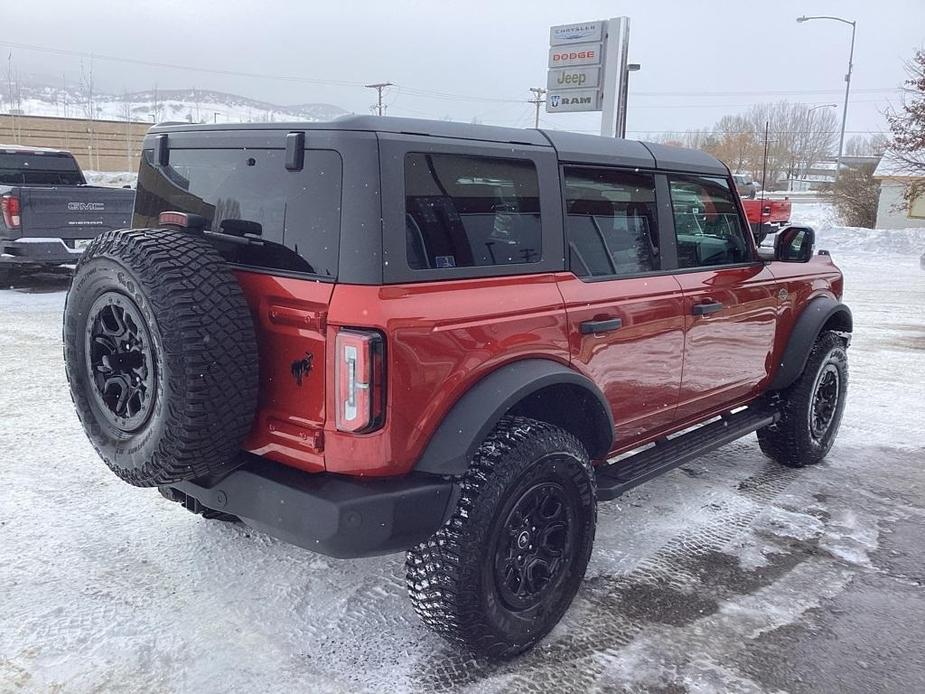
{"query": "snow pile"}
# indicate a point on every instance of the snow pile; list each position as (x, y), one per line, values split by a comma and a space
(815, 214)
(875, 241)
(112, 179)
(831, 236)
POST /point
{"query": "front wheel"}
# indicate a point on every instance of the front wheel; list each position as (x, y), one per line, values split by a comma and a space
(811, 408)
(499, 575)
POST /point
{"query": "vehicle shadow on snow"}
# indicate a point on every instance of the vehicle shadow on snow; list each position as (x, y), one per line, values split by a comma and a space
(38, 282)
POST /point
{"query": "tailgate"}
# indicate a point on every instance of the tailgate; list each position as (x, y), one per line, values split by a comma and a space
(74, 212)
(290, 317)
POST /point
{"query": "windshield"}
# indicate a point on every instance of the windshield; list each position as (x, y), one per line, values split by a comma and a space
(39, 168)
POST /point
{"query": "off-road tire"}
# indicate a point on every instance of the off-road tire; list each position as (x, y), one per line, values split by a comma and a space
(201, 349)
(791, 441)
(7, 277)
(452, 577)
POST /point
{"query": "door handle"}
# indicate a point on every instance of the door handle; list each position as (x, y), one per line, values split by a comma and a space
(600, 326)
(706, 308)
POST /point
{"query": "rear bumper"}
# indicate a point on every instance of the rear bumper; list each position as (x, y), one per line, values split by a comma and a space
(331, 514)
(37, 252)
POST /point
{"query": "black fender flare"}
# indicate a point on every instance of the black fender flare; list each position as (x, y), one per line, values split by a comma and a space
(806, 330)
(477, 412)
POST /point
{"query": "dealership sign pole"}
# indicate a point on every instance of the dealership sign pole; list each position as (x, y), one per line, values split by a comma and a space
(588, 71)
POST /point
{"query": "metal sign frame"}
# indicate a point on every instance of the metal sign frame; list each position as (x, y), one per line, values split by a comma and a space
(588, 71)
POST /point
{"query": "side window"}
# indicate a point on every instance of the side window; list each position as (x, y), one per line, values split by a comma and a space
(470, 211)
(707, 222)
(610, 222)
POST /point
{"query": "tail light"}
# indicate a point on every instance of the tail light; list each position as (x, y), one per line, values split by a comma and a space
(12, 211)
(360, 376)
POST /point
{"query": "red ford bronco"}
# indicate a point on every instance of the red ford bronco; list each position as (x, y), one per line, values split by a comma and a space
(380, 334)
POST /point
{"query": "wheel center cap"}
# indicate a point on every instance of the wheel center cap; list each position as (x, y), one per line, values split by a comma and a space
(523, 540)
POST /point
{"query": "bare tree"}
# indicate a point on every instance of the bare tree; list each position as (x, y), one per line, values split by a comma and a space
(867, 145)
(856, 194)
(908, 126)
(735, 142)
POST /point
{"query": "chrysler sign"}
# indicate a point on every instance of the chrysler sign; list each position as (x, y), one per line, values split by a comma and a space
(585, 32)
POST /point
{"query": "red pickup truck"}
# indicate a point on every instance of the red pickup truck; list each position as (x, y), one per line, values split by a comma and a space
(766, 216)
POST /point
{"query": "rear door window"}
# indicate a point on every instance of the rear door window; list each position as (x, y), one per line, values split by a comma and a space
(610, 222)
(707, 223)
(470, 211)
(291, 217)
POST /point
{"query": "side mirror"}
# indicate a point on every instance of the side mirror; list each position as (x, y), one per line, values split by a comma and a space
(794, 244)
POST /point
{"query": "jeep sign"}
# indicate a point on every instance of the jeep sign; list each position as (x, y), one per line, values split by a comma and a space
(573, 78)
(573, 100)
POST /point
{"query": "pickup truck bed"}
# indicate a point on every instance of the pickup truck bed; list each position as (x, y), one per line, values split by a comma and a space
(766, 216)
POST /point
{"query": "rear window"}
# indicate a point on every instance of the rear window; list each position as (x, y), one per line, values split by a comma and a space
(39, 169)
(297, 213)
(470, 211)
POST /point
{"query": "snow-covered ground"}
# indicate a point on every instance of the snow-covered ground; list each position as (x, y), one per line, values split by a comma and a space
(113, 179)
(729, 574)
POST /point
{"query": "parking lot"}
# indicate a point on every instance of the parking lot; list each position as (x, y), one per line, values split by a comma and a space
(729, 574)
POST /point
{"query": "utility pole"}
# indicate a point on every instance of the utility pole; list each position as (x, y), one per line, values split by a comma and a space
(379, 87)
(538, 93)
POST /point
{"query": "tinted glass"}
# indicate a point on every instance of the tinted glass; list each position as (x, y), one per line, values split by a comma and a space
(707, 223)
(18, 169)
(465, 211)
(297, 212)
(610, 220)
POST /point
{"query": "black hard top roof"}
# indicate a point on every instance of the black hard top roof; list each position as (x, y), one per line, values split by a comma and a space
(570, 147)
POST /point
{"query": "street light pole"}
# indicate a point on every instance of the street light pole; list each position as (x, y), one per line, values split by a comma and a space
(844, 115)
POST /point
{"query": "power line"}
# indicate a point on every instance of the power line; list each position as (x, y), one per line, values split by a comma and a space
(411, 91)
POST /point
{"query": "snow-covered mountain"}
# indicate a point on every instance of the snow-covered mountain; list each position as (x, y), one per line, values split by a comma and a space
(188, 105)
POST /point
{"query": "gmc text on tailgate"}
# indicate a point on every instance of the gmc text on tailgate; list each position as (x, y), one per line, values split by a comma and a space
(49, 213)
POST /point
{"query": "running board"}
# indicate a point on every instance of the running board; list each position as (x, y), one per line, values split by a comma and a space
(616, 478)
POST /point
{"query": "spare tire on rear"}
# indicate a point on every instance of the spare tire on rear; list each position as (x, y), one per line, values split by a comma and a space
(161, 355)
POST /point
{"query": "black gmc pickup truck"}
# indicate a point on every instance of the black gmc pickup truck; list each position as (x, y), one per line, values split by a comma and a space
(49, 213)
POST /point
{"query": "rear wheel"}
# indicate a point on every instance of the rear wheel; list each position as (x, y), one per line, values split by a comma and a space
(503, 570)
(811, 408)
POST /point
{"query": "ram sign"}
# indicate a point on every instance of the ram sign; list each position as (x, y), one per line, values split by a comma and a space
(573, 100)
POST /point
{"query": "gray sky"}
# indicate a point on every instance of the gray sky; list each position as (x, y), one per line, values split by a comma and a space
(493, 50)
